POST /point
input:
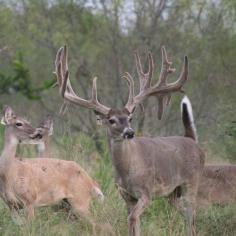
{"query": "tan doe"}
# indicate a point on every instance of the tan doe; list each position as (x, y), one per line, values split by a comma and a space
(145, 167)
(31, 183)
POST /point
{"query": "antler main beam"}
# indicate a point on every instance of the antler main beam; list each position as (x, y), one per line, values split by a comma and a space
(66, 91)
(162, 90)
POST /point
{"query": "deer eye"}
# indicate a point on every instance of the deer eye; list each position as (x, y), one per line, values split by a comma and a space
(19, 124)
(112, 121)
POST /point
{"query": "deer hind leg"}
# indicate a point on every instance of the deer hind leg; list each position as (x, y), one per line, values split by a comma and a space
(184, 201)
(29, 212)
(81, 209)
(136, 212)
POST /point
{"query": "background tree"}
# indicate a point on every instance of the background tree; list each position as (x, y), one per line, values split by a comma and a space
(102, 36)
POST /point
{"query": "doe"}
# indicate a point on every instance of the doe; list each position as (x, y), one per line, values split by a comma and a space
(31, 183)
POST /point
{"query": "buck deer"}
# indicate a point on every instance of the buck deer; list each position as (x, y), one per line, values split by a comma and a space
(31, 183)
(217, 183)
(145, 167)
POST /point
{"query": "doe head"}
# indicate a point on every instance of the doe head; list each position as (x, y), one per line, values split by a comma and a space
(17, 126)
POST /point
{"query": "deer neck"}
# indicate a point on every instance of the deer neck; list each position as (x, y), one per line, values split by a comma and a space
(43, 149)
(121, 152)
(9, 148)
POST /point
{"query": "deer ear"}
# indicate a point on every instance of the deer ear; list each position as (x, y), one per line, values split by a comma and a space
(3, 121)
(100, 117)
(9, 115)
(50, 128)
(48, 124)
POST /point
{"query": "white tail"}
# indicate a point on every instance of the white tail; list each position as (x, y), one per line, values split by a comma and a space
(98, 193)
(188, 120)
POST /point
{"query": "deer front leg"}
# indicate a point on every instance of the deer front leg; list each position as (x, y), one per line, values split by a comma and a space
(129, 200)
(29, 212)
(185, 203)
(136, 212)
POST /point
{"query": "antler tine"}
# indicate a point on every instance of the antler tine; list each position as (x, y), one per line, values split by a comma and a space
(64, 58)
(130, 104)
(144, 78)
(161, 90)
(165, 67)
(140, 70)
(177, 85)
(57, 62)
(138, 64)
(94, 89)
(150, 69)
(64, 81)
(64, 61)
(172, 87)
(66, 90)
(183, 76)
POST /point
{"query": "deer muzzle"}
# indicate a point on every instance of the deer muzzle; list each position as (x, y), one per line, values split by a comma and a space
(128, 133)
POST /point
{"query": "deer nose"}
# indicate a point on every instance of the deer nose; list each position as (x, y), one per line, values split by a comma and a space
(128, 133)
(39, 136)
(36, 136)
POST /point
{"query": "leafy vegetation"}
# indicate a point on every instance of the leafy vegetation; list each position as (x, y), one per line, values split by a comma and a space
(21, 82)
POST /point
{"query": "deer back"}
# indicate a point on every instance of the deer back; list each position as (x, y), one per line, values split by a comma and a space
(217, 185)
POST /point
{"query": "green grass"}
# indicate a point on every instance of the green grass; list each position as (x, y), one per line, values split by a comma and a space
(159, 219)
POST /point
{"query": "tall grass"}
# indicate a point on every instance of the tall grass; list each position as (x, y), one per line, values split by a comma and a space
(159, 219)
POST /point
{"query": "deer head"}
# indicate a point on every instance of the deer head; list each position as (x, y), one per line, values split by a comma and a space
(18, 129)
(45, 128)
(118, 120)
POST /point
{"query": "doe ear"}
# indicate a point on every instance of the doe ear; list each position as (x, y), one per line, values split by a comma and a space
(48, 124)
(3, 121)
(50, 127)
(8, 115)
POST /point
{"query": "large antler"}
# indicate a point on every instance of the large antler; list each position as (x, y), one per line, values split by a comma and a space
(62, 73)
(162, 90)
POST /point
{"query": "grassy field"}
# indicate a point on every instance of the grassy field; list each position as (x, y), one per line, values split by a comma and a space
(159, 219)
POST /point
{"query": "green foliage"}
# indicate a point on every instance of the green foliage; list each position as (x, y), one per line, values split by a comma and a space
(217, 221)
(229, 140)
(231, 130)
(21, 82)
